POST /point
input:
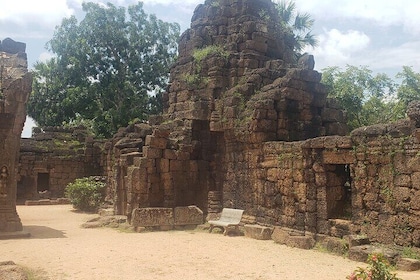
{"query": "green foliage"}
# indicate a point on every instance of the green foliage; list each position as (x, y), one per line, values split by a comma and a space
(105, 68)
(199, 55)
(264, 15)
(299, 24)
(410, 86)
(193, 80)
(367, 99)
(34, 274)
(410, 252)
(215, 4)
(85, 193)
(378, 270)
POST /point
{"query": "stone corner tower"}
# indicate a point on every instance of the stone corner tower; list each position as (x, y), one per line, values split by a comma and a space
(15, 87)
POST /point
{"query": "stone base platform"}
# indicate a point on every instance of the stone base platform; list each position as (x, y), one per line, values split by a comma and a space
(48, 202)
(14, 235)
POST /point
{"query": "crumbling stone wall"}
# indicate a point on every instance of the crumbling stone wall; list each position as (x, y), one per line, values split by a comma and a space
(54, 157)
(15, 86)
(365, 183)
(386, 192)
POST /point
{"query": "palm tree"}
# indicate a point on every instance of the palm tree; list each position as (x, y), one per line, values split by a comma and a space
(300, 24)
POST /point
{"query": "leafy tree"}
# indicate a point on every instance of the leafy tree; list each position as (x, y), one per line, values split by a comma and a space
(367, 99)
(300, 24)
(410, 86)
(105, 68)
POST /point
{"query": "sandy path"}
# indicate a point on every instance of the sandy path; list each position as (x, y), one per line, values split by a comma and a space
(64, 250)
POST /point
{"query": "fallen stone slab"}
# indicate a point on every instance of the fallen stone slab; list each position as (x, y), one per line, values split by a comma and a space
(290, 237)
(333, 244)
(407, 264)
(188, 215)
(357, 240)
(361, 253)
(258, 232)
(162, 218)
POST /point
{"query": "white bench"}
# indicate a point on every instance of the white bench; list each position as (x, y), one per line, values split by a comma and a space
(230, 217)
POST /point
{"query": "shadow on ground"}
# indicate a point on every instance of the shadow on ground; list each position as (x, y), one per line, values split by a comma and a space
(41, 232)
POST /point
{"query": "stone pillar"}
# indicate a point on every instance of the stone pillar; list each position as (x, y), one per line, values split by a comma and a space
(15, 87)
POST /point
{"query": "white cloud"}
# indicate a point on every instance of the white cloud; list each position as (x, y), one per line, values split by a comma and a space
(384, 13)
(338, 48)
(406, 54)
(41, 11)
(173, 2)
(43, 57)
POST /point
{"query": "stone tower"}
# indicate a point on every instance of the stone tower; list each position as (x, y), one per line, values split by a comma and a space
(237, 84)
(15, 85)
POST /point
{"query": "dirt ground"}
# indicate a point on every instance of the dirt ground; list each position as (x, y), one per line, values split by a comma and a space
(59, 248)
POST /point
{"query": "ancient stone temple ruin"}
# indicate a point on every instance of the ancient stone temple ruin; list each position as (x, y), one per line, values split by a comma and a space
(15, 86)
(237, 108)
(247, 125)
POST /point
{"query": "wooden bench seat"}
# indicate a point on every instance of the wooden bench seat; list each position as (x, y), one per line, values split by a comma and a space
(229, 218)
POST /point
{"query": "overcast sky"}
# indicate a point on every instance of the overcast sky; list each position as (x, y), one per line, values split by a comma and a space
(384, 35)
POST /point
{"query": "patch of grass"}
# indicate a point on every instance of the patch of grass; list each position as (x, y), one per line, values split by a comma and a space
(125, 228)
(411, 253)
(34, 274)
(321, 248)
(195, 80)
(200, 54)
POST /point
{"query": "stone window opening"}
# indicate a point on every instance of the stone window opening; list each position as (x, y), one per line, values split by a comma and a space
(43, 182)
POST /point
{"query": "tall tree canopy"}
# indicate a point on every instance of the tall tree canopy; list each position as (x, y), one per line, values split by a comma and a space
(370, 99)
(300, 24)
(104, 69)
(410, 85)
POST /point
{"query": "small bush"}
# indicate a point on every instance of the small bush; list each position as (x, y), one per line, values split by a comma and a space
(85, 194)
(378, 270)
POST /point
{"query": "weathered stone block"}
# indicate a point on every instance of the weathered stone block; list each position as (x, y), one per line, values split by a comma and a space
(357, 240)
(407, 264)
(152, 153)
(338, 157)
(258, 232)
(332, 244)
(152, 217)
(284, 236)
(189, 215)
(361, 253)
(156, 142)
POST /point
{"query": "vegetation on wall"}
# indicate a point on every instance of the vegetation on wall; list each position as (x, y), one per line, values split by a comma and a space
(198, 79)
(105, 68)
(299, 23)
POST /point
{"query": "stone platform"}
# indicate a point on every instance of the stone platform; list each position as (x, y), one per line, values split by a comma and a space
(14, 235)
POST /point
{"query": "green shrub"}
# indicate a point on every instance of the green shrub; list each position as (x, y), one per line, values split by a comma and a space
(86, 193)
(378, 270)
